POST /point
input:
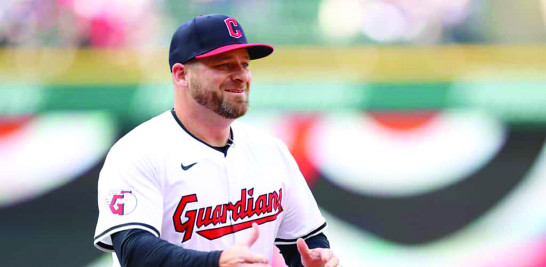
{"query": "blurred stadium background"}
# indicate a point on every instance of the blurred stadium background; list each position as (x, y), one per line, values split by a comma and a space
(420, 125)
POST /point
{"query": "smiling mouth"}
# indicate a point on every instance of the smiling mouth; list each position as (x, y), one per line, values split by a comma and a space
(234, 90)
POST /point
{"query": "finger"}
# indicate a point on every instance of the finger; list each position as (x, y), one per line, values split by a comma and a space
(253, 265)
(334, 261)
(255, 258)
(325, 255)
(254, 234)
(303, 248)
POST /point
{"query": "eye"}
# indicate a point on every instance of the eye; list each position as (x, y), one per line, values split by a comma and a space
(223, 65)
(245, 65)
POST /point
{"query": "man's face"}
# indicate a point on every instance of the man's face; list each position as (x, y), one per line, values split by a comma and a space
(221, 83)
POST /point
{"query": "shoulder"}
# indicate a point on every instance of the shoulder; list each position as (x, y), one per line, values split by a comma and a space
(252, 134)
(146, 136)
(256, 137)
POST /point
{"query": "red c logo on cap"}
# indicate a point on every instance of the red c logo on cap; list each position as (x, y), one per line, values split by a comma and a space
(230, 23)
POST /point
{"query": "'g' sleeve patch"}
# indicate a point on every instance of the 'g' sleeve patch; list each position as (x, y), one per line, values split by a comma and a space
(121, 202)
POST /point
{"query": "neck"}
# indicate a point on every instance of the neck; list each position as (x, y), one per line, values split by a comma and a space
(204, 124)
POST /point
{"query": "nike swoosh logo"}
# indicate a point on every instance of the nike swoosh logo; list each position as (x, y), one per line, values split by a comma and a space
(427, 217)
(187, 167)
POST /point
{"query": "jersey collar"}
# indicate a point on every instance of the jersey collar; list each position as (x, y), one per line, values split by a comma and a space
(221, 149)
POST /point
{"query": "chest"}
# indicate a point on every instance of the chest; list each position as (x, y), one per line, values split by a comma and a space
(214, 197)
(215, 178)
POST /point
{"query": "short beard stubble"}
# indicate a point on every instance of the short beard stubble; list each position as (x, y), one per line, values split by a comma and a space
(216, 102)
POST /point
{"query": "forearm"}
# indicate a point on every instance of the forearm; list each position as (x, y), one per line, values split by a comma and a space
(136, 247)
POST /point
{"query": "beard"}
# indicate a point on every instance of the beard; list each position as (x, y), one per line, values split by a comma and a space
(216, 101)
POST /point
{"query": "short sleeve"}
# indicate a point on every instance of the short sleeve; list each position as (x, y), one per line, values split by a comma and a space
(129, 195)
(302, 218)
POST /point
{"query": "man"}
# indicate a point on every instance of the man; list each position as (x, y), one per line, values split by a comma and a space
(192, 187)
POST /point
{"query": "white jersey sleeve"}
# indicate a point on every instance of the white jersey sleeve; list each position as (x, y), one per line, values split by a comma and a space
(303, 218)
(129, 196)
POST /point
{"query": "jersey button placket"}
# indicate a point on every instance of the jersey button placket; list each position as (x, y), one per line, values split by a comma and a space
(231, 185)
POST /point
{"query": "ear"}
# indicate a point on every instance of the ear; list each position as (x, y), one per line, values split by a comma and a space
(179, 73)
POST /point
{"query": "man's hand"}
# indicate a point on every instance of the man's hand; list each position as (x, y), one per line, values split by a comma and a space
(318, 257)
(240, 254)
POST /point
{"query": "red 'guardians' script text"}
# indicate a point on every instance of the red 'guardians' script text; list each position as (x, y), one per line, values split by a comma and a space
(266, 207)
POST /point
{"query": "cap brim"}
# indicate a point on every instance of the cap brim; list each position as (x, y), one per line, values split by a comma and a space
(255, 51)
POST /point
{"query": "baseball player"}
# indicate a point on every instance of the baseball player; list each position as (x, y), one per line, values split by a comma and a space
(194, 187)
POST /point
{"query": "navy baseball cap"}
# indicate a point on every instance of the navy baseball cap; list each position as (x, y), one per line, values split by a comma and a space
(209, 35)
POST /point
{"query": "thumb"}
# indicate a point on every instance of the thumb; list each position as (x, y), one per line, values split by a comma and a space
(303, 248)
(254, 234)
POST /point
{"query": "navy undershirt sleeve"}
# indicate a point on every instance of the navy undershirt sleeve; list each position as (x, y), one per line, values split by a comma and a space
(137, 247)
(291, 254)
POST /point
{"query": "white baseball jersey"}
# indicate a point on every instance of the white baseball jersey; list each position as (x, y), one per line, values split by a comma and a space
(162, 179)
